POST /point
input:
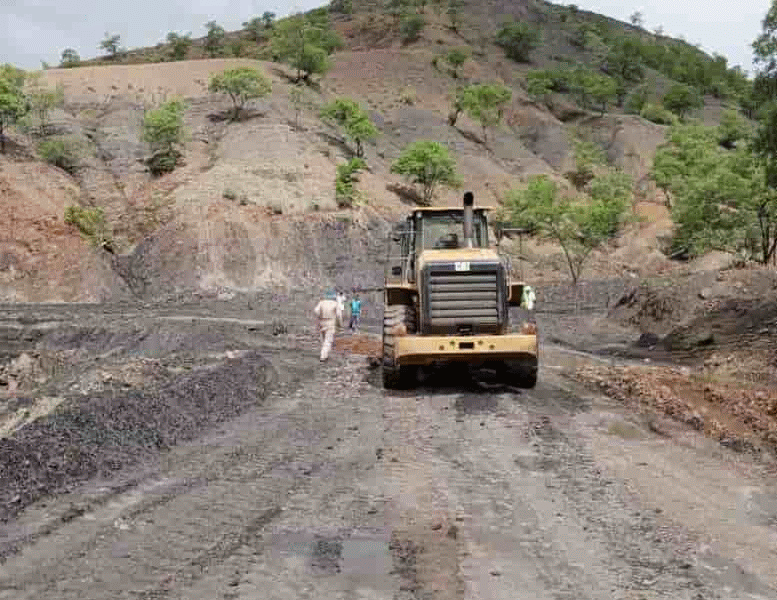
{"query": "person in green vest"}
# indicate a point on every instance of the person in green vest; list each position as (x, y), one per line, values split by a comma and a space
(528, 297)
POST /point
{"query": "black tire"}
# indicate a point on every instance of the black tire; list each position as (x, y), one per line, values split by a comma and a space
(524, 373)
(396, 317)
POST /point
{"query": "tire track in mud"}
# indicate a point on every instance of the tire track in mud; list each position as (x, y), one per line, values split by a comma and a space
(424, 541)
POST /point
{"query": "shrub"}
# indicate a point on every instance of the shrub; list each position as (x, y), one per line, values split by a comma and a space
(63, 152)
(408, 96)
(345, 193)
(91, 224)
(344, 7)
(657, 114)
(410, 27)
(163, 130)
(518, 39)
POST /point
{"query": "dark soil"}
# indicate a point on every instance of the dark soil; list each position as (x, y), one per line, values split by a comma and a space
(95, 435)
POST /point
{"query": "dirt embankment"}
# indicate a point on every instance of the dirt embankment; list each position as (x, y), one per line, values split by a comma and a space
(722, 325)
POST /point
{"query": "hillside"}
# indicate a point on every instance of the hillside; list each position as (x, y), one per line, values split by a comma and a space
(252, 205)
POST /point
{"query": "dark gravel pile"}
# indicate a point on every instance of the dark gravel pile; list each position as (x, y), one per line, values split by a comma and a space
(90, 436)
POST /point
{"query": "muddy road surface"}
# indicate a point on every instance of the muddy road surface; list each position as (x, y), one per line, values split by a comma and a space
(200, 451)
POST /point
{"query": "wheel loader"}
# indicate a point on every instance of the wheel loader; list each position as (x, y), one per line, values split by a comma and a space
(447, 299)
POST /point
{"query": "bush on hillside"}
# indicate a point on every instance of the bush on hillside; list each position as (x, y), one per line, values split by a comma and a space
(657, 114)
(163, 130)
(347, 174)
(410, 28)
(91, 224)
(63, 152)
(518, 39)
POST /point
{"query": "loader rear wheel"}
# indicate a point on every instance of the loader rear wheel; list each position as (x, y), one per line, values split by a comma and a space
(398, 319)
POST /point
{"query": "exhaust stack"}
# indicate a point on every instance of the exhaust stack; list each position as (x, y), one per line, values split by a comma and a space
(469, 228)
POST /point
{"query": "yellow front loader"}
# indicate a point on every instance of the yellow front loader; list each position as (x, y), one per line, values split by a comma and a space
(447, 296)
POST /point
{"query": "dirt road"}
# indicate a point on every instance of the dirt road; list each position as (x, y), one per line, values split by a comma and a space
(326, 486)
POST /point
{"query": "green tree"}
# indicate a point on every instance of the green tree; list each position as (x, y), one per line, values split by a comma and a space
(578, 227)
(70, 59)
(720, 199)
(110, 44)
(240, 84)
(397, 9)
(682, 99)
(428, 164)
(268, 18)
(637, 19)
(257, 29)
(485, 103)
(305, 43)
(179, 45)
(13, 104)
(518, 39)
(456, 59)
(163, 129)
(354, 121)
(410, 28)
(214, 39)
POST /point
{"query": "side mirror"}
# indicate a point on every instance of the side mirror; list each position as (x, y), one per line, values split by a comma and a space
(396, 271)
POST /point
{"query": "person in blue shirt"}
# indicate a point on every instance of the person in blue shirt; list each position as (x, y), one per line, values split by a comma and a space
(356, 311)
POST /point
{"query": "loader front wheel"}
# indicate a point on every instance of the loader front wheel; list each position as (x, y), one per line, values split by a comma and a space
(398, 320)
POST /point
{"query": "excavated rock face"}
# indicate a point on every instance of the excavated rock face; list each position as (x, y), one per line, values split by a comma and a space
(222, 252)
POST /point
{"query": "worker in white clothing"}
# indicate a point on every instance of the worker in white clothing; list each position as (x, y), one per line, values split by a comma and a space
(330, 316)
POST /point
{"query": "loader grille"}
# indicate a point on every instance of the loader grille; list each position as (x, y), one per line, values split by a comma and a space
(464, 301)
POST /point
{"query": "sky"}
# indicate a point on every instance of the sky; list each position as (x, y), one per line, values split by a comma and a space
(36, 30)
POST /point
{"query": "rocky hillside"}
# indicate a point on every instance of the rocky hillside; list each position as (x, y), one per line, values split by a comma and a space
(253, 203)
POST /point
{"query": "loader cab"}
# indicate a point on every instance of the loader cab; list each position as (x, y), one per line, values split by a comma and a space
(431, 229)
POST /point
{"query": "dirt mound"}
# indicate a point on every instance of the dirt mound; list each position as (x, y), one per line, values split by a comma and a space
(660, 306)
(95, 435)
(731, 324)
(739, 416)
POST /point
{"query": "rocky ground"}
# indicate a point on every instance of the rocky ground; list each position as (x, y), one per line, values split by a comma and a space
(196, 448)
